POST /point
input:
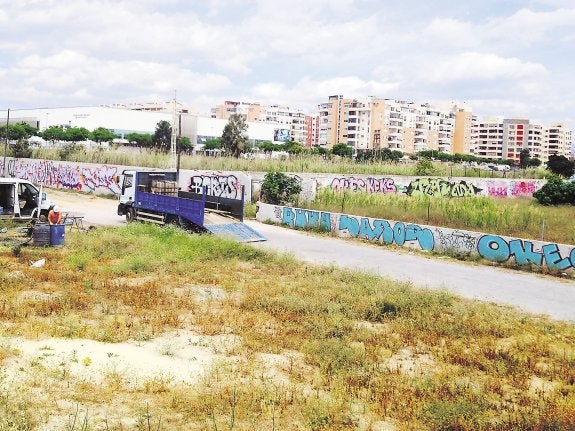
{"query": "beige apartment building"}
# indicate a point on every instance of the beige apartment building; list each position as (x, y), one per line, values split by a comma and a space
(291, 123)
(375, 123)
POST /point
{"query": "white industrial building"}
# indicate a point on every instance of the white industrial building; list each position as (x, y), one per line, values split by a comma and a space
(123, 121)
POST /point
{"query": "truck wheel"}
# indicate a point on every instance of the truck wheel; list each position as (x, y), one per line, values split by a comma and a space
(173, 221)
(130, 215)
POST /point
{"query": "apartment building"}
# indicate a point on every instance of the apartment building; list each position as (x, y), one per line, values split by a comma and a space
(505, 139)
(374, 123)
(292, 120)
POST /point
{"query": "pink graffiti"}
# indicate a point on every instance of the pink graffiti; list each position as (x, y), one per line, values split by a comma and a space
(370, 185)
(523, 188)
(497, 191)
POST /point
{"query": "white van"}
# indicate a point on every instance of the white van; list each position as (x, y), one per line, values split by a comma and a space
(22, 200)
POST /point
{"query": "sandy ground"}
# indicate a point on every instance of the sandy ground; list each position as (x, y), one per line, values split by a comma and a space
(97, 211)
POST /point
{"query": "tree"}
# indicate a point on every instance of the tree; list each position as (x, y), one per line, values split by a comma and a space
(524, 158)
(534, 162)
(556, 192)
(21, 149)
(213, 144)
(185, 144)
(268, 146)
(293, 147)
(342, 150)
(162, 138)
(561, 165)
(101, 134)
(279, 188)
(76, 134)
(140, 139)
(234, 138)
(54, 133)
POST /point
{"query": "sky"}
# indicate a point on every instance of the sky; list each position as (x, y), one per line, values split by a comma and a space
(511, 58)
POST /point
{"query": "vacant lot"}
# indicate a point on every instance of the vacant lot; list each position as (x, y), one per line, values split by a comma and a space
(151, 328)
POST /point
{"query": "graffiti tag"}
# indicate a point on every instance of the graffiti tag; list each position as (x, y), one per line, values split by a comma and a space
(438, 187)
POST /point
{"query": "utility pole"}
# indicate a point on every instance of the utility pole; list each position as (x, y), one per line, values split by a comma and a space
(6, 143)
(173, 152)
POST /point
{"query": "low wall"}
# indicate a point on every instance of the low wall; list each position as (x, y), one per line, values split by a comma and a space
(493, 248)
(91, 177)
(103, 179)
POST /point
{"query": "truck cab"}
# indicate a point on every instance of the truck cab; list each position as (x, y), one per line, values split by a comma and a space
(22, 200)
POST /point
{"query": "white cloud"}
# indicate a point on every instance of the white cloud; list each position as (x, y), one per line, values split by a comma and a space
(476, 66)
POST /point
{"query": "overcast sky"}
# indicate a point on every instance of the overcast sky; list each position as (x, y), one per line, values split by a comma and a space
(514, 58)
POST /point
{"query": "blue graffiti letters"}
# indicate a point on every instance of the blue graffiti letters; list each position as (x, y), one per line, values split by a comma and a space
(306, 218)
(497, 249)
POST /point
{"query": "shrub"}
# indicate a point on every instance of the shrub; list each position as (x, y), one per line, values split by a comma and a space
(424, 167)
(279, 188)
(556, 192)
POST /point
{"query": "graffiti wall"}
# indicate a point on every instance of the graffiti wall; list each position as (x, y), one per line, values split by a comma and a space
(493, 248)
(426, 186)
(102, 179)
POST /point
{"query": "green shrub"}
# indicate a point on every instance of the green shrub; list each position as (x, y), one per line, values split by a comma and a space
(556, 192)
(279, 188)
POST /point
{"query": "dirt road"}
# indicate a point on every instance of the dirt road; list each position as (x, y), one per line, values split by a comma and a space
(531, 292)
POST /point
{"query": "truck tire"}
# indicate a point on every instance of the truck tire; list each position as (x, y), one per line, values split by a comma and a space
(130, 215)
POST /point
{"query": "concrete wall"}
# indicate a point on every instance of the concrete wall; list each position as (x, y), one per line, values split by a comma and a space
(493, 248)
(103, 179)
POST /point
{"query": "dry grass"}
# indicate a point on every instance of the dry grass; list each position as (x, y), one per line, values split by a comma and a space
(301, 347)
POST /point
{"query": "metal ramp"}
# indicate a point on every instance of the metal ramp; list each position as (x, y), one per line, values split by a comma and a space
(237, 231)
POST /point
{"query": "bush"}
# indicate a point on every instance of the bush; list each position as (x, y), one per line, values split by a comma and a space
(556, 192)
(279, 188)
(424, 167)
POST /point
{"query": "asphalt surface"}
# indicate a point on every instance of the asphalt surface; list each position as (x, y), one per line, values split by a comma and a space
(530, 292)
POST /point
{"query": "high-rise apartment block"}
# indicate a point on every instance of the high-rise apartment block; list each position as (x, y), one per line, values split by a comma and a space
(374, 123)
(383, 123)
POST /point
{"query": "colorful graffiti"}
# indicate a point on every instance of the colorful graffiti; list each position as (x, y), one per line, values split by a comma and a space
(497, 249)
(400, 233)
(523, 188)
(360, 227)
(493, 248)
(65, 175)
(438, 187)
(225, 186)
(370, 185)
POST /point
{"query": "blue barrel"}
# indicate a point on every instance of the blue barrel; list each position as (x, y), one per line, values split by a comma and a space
(41, 234)
(57, 234)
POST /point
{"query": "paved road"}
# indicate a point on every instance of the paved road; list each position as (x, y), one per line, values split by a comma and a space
(531, 292)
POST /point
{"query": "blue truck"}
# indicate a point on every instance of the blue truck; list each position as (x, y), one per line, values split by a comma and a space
(154, 196)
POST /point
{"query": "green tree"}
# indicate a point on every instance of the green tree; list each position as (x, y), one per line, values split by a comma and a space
(77, 134)
(534, 162)
(524, 158)
(234, 138)
(162, 138)
(279, 188)
(213, 144)
(54, 133)
(268, 146)
(185, 144)
(21, 149)
(561, 165)
(140, 139)
(342, 150)
(292, 147)
(322, 151)
(101, 134)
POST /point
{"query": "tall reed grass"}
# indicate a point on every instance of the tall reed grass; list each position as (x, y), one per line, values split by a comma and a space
(519, 217)
(296, 164)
